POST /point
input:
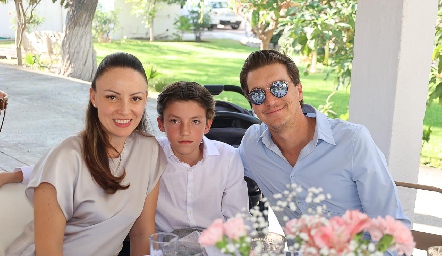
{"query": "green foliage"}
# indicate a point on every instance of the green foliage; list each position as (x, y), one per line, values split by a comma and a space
(435, 84)
(327, 109)
(198, 22)
(264, 16)
(151, 72)
(326, 28)
(182, 24)
(104, 23)
(158, 84)
(426, 134)
(35, 61)
(32, 22)
(147, 9)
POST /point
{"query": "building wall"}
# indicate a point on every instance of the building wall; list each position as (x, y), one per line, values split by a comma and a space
(53, 13)
(132, 26)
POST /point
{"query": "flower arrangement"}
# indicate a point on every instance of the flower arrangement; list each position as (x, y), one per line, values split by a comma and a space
(313, 234)
(348, 235)
(230, 236)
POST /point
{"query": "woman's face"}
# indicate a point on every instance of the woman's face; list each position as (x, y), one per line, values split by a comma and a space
(120, 98)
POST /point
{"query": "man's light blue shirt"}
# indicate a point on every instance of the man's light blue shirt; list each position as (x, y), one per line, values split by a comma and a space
(342, 159)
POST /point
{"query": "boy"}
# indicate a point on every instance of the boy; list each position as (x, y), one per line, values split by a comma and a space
(204, 179)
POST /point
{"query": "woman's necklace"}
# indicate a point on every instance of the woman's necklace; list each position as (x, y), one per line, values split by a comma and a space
(116, 171)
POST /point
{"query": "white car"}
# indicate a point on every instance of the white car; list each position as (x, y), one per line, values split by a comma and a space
(219, 11)
(221, 14)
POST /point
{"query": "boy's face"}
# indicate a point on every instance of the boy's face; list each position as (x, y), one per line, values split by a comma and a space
(185, 124)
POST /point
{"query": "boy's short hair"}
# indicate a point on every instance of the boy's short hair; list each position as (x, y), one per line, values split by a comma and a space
(186, 91)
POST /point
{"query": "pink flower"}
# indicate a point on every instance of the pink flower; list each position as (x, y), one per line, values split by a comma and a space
(356, 221)
(376, 228)
(234, 228)
(335, 235)
(212, 234)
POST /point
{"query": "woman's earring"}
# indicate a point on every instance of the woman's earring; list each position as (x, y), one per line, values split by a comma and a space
(95, 106)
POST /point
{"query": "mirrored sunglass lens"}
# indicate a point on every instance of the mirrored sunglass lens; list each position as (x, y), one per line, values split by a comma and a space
(257, 96)
(279, 89)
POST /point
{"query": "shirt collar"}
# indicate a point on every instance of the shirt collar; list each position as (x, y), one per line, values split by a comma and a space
(323, 129)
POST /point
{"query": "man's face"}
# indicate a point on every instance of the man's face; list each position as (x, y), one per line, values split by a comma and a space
(185, 124)
(276, 113)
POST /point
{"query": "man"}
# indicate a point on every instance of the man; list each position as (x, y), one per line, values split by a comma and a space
(297, 144)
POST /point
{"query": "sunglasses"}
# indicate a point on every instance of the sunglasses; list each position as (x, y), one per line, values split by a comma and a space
(279, 89)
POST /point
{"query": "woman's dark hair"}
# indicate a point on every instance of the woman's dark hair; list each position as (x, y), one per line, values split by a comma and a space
(186, 91)
(95, 137)
(263, 58)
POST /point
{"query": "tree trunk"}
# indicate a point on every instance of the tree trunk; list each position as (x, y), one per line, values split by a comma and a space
(265, 39)
(152, 17)
(314, 61)
(151, 36)
(78, 57)
(19, 32)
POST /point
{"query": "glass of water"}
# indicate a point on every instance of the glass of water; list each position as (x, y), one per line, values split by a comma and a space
(163, 244)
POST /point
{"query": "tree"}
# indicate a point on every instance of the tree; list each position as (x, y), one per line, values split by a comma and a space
(435, 85)
(24, 13)
(147, 9)
(78, 57)
(104, 23)
(264, 16)
(323, 30)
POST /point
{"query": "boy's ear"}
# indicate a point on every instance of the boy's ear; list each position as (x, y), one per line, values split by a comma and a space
(208, 125)
(161, 124)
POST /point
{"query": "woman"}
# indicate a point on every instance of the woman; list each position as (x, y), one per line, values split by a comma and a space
(94, 188)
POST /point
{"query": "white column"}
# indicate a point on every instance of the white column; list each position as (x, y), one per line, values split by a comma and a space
(391, 67)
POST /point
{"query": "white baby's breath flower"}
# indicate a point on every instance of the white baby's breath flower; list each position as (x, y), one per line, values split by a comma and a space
(283, 204)
(371, 247)
(323, 251)
(304, 236)
(230, 248)
(292, 206)
(277, 196)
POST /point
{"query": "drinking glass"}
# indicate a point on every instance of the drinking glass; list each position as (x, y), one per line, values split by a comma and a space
(163, 244)
(434, 251)
(269, 242)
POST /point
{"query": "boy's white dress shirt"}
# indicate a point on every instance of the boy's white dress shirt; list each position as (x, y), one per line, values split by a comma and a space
(194, 196)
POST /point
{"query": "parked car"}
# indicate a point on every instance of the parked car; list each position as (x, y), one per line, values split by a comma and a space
(219, 11)
(221, 14)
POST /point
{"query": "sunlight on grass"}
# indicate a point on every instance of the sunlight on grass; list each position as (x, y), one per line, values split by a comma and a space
(219, 61)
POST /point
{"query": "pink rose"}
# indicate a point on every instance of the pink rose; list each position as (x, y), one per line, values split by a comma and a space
(234, 228)
(212, 234)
